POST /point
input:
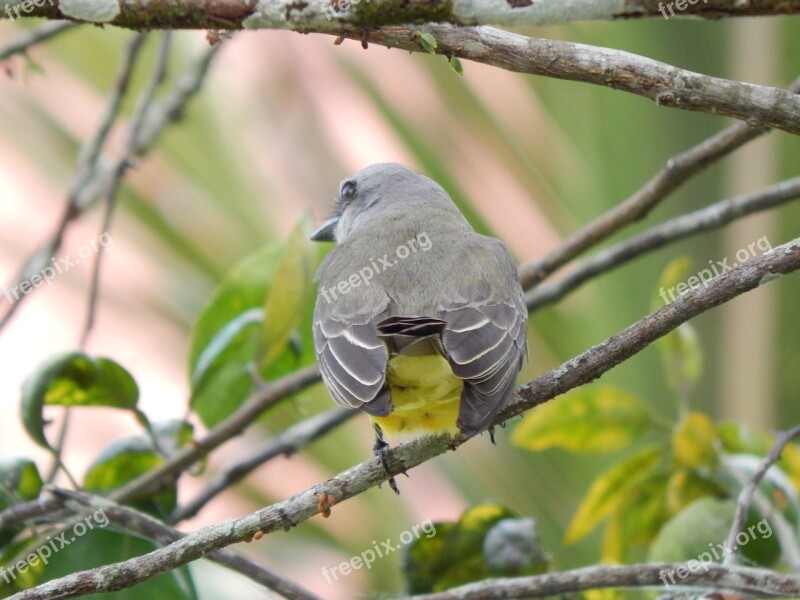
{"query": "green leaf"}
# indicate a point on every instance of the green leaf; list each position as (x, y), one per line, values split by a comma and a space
(738, 438)
(689, 533)
(19, 481)
(288, 293)
(600, 419)
(127, 459)
(74, 379)
(233, 338)
(456, 65)
(611, 489)
(694, 442)
(697, 533)
(223, 340)
(428, 42)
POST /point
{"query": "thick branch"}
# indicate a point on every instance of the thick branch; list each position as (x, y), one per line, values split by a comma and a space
(149, 528)
(286, 514)
(286, 443)
(663, 83)
(313, 14)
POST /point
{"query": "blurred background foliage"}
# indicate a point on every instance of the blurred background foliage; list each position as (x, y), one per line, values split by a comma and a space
(281, 119)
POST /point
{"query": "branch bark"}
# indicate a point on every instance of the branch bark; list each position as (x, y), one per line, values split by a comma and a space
(742, 582)
(316, 14)
(582, 369)
(711, 217)
(676, 171)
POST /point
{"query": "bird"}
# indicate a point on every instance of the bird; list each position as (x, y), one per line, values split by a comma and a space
(419, 321)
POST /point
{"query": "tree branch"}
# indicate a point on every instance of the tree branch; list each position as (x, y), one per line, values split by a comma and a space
(582, 369)
(712, 217)
(31, 37)
(745, 582)
(663, 83)
(676, 171)
(746, 495)
(154, 530)
(288, 14)
(235, 424)
(289, 442)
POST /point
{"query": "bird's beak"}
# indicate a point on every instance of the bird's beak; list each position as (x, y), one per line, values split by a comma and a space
(326, 231)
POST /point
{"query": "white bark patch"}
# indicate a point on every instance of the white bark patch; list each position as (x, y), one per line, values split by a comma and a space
(534, 12)
(94, 11)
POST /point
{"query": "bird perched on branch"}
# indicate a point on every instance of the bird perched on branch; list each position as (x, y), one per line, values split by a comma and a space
(419, 321)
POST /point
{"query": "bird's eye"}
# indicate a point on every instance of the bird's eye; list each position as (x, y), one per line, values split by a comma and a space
(348, 190)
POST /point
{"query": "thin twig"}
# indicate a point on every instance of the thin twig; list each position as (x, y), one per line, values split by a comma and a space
(676, 171)
(144, 103)
(235, 424)
(85, 171)
(711, 217)
(31, 37)
(286, 443)
(746, 495)
(582, 369)
(167, 110)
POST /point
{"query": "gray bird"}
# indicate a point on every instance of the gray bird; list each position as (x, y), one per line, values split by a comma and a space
(419, 321)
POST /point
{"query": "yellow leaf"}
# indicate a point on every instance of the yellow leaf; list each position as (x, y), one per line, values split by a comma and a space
(600, 419)
(790, 461)
(611, 489)
(288, 292)
(686, 486)
(612, 549)
(693, 442)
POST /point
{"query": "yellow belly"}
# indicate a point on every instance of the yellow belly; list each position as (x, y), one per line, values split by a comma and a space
(425, 394)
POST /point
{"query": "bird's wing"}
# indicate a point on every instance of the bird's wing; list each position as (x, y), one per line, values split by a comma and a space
(485, 341)
(352, 360)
